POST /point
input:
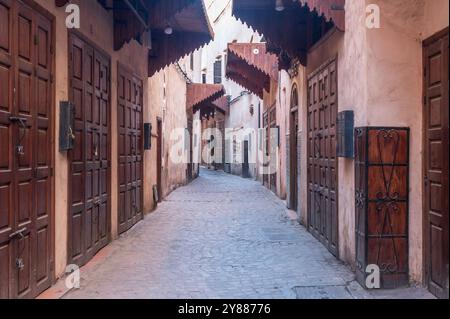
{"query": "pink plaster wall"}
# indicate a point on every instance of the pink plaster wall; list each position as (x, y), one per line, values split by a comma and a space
(380, 78)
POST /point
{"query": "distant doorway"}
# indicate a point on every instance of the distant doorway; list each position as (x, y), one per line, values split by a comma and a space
(159, 158)
(245, 163)
(293, 147)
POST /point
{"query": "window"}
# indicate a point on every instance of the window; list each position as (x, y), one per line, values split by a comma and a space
(204, 78)
(192, 62)
(218, 72)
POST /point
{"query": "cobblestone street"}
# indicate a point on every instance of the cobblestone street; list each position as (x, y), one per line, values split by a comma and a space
(220, 237)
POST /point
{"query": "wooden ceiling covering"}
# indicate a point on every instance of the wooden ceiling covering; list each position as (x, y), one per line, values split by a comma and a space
(202, 95)
(256, 55)
(222, 104)
(251, 66)
(191, 30)
(295, 29)
(246, 82)
(187, 18)
(331, 10)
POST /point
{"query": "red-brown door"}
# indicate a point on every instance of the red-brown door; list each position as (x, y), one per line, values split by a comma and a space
(293, 160)
(89, 72)
(265, 148)
(159, 158)
(130, 101)
(26, 95)
(436, 164)
(273, 146)
(322, 160)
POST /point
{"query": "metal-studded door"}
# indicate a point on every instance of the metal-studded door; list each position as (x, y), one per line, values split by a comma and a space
(89, 189)
(322, 160)
(26, 95)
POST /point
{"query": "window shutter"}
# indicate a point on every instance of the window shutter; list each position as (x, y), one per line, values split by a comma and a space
(218, 72)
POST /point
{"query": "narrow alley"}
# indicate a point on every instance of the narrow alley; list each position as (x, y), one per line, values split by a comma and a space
(260, 149)
(220, 237)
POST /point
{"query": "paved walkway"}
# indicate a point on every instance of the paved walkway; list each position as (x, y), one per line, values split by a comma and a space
(220, 237)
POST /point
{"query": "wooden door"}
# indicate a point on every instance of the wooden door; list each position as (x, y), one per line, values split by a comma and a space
(190, 144)
(159, 159)
(245, 162)
(89, 206)
(266, 148)
(273, 146)
(293, 159)
(26, 97)
(322, 160)
(130, 125)
(436, 147)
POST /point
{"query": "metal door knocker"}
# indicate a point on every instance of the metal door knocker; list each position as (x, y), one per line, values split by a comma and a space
(20, 264)
(20, 150)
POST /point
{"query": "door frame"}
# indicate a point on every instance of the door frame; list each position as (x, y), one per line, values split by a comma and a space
(309, 76)
(141, 146)
(85, 39)
(425, 231)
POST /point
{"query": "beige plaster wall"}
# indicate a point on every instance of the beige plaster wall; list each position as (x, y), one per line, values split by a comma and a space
(97, 26)
(167, 91)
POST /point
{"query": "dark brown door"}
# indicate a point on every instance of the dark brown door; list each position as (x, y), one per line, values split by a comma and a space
(26, 95)
(159, 159)
(273, 146)
(322, 160)
(266, 148)
(293, 160)
(436, 163)
(189, 143)
(130, 101)
(89, 72)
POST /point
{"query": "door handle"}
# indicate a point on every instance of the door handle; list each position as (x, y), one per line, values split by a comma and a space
(18, 233)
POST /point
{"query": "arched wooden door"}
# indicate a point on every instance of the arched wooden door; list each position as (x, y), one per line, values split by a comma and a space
(293, 150)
